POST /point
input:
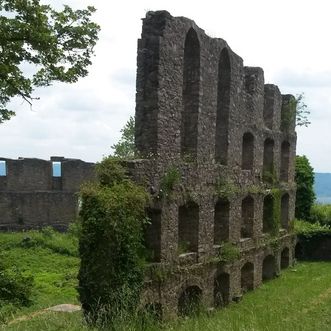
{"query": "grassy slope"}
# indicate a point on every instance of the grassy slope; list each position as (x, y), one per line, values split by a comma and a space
(299, 300)
(52, 260)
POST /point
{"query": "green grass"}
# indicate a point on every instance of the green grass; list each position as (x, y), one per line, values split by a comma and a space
(51, 258)
(298, 300)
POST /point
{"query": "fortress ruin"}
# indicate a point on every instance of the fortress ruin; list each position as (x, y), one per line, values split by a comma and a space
(217, 149)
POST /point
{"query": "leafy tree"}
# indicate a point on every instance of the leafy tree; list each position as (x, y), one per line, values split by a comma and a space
(125, 149)
(301, 111)
(305, 197)
(58, 44)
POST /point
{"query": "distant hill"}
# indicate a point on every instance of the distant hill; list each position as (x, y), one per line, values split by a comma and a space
(322, 186)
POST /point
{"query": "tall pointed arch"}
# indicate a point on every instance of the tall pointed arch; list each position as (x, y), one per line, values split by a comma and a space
(191, 91)
(223, 106)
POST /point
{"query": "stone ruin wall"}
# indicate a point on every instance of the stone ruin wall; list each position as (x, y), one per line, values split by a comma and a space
(230, 137)
(200, 112)
(32, 197)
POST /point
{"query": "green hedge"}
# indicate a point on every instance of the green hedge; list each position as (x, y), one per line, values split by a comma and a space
(112, 218)
(313, 239)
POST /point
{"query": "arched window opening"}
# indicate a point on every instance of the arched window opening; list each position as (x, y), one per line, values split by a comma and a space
(247, 277)
(189, 303)
(268, 214)
(284, 161)
(188, 228)
(285, 258)
(247, 217)
(152, 235)
(269, 268)
(247, 151)
(191, 86)
(268, 161)
(221, 221)
(221, 289)
(284, 214)
(223, 107)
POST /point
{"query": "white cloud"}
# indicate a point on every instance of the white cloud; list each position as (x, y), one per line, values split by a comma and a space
(288, 39)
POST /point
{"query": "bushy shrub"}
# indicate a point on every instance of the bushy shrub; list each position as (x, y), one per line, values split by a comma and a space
(321, 214)
(112, 218)
(307, 229)
(15, 288)
(110, 172)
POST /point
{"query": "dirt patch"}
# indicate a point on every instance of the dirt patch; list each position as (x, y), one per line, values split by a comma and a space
(63, 308)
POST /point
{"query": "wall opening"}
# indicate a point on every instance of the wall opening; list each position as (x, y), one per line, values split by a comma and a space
(268, 160)
(221, 221)
(268, 213)
(221, 289)
(223, 107)
(285, 258)
(56, 169)
(154, 311)
(152, 235)
(247, 151)
(269, 267)
(189, 303)
(247, 277)
(247, 217)
(188, 228)
(284, 161)
(3, 168)
(191, 87)
(284, 207)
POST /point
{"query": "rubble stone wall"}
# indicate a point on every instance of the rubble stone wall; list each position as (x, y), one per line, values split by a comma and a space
(33, 196)
(230, 138)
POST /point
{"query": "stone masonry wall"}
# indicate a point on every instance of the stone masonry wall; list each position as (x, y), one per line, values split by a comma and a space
(217, 149)
(32, 196)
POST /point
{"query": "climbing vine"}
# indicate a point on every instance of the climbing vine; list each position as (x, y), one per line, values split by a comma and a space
(270, 177)
(110, 246)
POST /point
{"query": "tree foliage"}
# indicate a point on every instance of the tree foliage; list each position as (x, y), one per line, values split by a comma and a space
(58, 44)
(125, 148)
(302, 111)
(305, 197)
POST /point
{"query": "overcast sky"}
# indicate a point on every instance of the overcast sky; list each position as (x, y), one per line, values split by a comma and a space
(290, 40)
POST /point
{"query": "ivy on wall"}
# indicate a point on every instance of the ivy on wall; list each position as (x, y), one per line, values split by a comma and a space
(111, 246)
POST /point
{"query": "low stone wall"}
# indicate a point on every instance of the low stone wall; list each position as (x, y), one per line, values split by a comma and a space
(34, 194)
